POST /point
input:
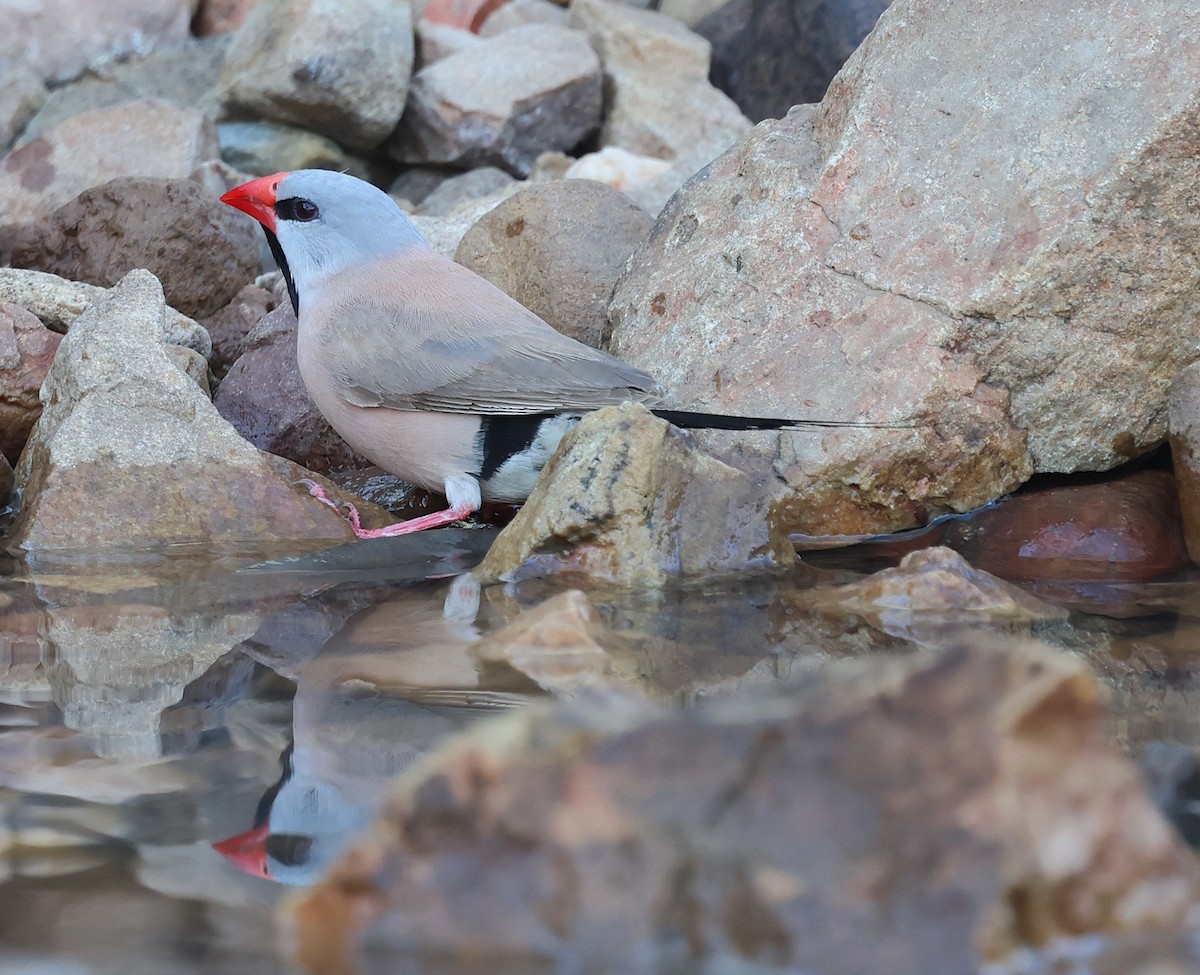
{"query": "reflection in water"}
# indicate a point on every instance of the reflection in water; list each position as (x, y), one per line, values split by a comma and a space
(144, 717)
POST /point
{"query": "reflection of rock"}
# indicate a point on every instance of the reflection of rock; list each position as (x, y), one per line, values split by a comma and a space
(629, 499)
(117, 668)
(128, 451)
(907, 817)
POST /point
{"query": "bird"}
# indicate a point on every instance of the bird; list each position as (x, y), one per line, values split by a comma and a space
(426, 368)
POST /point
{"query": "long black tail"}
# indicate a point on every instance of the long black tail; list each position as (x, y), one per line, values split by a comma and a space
(689, 420)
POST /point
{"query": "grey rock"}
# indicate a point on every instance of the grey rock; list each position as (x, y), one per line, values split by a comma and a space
(452, 193)
(518, 13)
(263, 148)
(22, 93)
(337, 67)
(437, 41)
(519, 94)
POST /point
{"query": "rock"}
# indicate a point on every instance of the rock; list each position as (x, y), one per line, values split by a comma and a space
(558, 249)
(936, 272)
(1184, 409)
(230, 326)
(27, 348)
(129, 452)
(336, 67)
(1122, 527)
(21, 95)
(59, 38)
(466, 15)
(377, 486)
(658, 98)
(518, 13)
(926, 814)
(618, 168)
(141, 138)
(444, 234)
(264, 398)
(183, 75)
(628, 500)
(770, 56)
(502, 103)
(221, 16)
(452, 193)
(6, 486)
(437, 41)
(929, 588)
(263, 148)
(58, 302)
(201, 251)
(417, 182)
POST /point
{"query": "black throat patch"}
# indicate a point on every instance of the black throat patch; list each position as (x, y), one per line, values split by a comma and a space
(277, 253)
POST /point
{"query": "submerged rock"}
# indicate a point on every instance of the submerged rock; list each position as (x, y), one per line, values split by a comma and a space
(202, 251)
(27, 348)
(340, 69)
(885, 258)
(921, 816)
(628, 499)
(558, 248)
(130, 452)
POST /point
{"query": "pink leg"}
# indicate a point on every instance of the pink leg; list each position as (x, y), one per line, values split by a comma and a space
(400, 528)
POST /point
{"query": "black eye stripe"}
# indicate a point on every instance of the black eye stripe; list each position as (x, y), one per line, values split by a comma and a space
(296, 208)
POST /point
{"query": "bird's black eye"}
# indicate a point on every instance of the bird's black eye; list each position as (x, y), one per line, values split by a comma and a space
(297, 208)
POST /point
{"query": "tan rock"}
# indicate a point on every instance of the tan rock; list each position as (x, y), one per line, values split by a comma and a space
(558, 248)
(524, 92)
(518, 13)
(337, 67)
(221, 16)
(21, 95)
(201, 251)
(629, 500)
(57, 302)
(1184, 406)
(567, 831)
(465, 188)
(59, 38)
(147, 459)
(436, 41)
(619, 168)
(140, 138)
(942, 267)
(27, 348)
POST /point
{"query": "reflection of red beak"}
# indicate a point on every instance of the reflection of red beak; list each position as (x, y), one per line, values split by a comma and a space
(247, 851)
(256, 198)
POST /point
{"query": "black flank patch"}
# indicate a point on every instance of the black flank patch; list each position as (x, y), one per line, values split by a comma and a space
(503, 437)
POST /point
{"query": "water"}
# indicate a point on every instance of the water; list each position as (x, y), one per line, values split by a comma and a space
(153, 704)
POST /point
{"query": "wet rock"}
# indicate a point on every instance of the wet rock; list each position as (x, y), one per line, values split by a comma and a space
(21, 95)
(436, 41)
(973, 799)
(377, 486)
(183, 75)
(339, 69)
(27, 348)
(1123, 527)
(220, 16)
(629, 500)
(141, 138)
(59, 38)
(263, 148)
(264, 398)
(558, 248)
(659, 101)
(58, 302)
(929, 588)
(201, 251)
(518, 13)
(452, 193)
(1184, 411)
(230, 326)
(770, 56)
(958, 287)
(146, 460)
(502, 103)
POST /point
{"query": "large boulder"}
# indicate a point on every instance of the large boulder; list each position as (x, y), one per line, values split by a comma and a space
(130, 452)
(503, 102)
(924, 816)
(201, 251)
(978, 262)
(336, 67)
(558, 249)
(137, 138)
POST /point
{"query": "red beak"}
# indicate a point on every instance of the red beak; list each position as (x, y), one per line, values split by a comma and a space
(256, 198)
(247, 851)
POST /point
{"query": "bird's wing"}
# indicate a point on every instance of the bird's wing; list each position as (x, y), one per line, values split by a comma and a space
(434, 336)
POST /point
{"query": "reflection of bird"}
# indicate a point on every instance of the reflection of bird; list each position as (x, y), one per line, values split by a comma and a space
(349, 743)
(421, 365)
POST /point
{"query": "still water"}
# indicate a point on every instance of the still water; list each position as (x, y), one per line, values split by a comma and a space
(153, 705)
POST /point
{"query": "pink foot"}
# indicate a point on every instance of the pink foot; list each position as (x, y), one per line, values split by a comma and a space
(400, 528)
